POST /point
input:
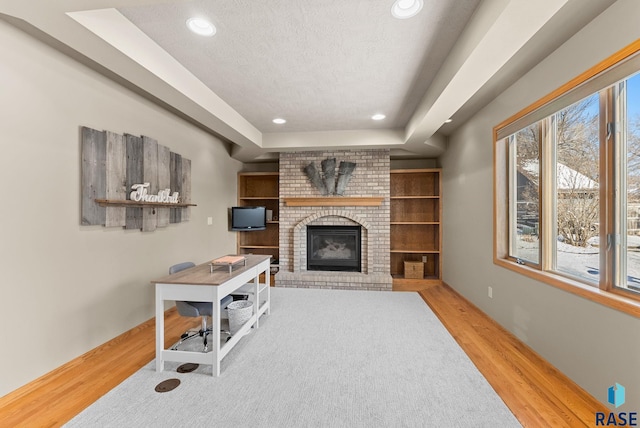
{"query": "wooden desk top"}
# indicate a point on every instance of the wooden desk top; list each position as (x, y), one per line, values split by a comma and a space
(202, 275)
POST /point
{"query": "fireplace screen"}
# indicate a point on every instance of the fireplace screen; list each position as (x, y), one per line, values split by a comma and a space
(335, 248)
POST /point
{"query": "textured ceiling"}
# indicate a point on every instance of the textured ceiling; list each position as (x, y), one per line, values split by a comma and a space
(322, 64)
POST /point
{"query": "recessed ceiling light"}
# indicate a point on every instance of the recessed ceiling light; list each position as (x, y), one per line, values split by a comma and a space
(201, 26)
(403, 9)
(448, 121)
(279, 121)
(378, 116)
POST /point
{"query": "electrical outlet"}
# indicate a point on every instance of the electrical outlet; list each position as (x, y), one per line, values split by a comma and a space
(424, 259)
(209, 221)
(490, 292)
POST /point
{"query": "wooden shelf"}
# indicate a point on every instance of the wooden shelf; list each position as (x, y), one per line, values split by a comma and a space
(416, 197)
(416, 227)
(331, 201)
(260, 189)
(411, 279)
(413, 251)
(258, 185)
(258, 198)
(416, 222)
(418, 183)
(415, 210)
(134, 204)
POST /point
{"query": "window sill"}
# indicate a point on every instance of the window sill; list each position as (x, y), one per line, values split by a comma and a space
(618, 299)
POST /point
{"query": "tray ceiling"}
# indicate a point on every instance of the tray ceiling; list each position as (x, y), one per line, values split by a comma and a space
(326, 66)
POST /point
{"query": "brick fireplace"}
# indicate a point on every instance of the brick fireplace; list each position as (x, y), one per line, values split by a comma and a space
(370, 179)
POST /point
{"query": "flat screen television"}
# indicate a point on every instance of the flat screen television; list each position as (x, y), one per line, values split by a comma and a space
(248, 219)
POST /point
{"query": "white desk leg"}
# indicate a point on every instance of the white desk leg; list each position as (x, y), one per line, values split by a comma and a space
(159, 328)
(215, 335)
(268, 290)
(256, 298)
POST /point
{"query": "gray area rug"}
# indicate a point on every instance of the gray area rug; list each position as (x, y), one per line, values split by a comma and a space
(323, 358)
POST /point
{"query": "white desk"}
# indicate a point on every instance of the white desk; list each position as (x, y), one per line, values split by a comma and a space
(200, 284)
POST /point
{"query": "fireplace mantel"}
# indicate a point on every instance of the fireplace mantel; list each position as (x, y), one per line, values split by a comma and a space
(340, 201)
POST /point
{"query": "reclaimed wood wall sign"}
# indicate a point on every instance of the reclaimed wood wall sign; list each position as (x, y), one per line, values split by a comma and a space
(132, 182)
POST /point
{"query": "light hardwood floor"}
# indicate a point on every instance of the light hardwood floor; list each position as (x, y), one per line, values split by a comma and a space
(537, 393)
(58, 396)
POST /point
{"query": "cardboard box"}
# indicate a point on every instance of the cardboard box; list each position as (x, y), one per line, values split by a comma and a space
(414, 270)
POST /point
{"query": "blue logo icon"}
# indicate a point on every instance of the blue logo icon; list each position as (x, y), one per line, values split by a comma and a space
(616, 395)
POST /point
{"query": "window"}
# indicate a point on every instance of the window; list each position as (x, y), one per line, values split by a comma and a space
(628, 203)
(524, 182)
(574, 152)
(567, 186)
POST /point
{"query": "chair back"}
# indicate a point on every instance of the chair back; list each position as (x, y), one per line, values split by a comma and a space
(180, 266)
(184, 308)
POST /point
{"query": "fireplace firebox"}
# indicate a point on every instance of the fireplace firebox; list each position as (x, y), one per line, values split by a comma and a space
(333, 248)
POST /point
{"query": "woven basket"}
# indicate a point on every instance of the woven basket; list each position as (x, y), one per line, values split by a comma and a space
(239, 313)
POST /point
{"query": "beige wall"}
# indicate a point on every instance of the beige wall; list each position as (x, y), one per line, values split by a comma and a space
(594, 345)
(67, 288)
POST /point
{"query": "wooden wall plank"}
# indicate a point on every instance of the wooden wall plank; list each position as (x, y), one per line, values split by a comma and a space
(150, 175)
(94, 154)
(116, 169)
(164, 181)
(134, 176)
(176, 184)
(186, 188)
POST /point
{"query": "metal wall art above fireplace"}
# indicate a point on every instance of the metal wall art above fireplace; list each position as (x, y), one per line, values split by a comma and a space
(333, 248)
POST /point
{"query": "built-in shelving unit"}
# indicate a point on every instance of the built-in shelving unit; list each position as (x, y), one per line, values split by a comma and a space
(416, 222)
(260, 189)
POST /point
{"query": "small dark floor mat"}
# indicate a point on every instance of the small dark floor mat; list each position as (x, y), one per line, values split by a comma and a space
(187, 368)
(167, 385)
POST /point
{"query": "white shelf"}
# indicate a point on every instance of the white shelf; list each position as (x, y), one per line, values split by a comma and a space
(248, 288)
